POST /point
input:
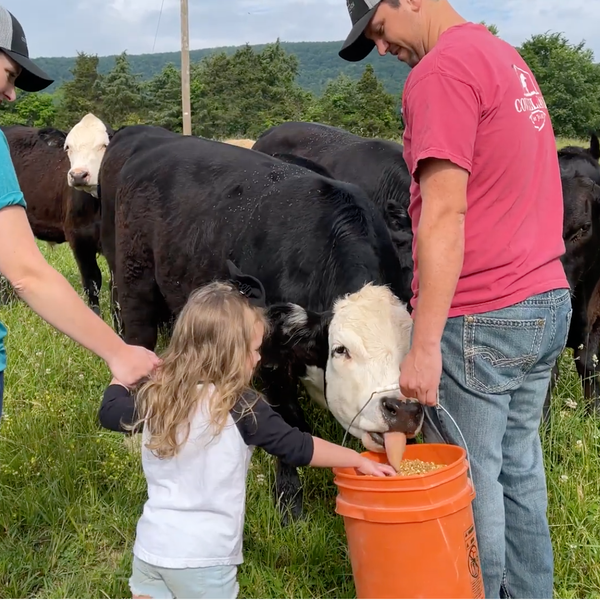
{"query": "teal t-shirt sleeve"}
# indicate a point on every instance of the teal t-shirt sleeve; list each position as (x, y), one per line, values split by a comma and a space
(10, 195)
(10, 190)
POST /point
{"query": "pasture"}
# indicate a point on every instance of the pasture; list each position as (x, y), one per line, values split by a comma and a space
(71, 493)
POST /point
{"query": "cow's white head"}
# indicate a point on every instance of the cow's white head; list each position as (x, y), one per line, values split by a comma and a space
(85, 145)
(350, 354)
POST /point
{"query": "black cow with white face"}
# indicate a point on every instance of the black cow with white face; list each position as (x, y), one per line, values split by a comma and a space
(56, 212)
(96, 154)
(322, 251)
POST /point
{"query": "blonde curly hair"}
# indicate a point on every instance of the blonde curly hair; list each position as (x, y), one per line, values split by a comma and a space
(211, 344)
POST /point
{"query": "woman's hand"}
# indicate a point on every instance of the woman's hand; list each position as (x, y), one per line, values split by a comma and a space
(131, 364)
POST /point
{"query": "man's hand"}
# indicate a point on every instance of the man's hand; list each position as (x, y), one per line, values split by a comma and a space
(132, 363)
(420, 374)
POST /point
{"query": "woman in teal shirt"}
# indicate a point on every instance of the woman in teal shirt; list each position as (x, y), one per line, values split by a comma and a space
(45, 290)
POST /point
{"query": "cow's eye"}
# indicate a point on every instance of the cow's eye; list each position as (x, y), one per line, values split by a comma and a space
(341, 351)
(580, 232)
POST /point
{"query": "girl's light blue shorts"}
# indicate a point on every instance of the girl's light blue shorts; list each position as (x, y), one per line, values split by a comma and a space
(202, 582)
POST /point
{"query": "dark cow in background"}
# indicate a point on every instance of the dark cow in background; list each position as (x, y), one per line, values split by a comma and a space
(96, 154)
(321, 250)
(56, 212)
(375, 165)
(580, 172)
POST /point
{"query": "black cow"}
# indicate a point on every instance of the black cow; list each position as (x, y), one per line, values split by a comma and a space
(57, 213)
(375, 165)
(321, 249)
(580, 172)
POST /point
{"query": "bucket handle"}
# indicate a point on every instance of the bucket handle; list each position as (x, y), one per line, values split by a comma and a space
(438, 406)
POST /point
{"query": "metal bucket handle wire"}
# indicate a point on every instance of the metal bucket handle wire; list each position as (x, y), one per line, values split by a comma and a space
(438, 406)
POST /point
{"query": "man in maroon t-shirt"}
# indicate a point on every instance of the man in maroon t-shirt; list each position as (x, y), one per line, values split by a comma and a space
(491, 300)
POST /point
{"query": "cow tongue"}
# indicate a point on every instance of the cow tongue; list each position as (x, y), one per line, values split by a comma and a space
(370, 444)
(395, 444)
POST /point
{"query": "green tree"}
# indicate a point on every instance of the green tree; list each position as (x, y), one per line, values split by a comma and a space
(569, 80)
(162, 98)
(80, 95)
(244, 93)
(121, 91)
(380, 116)
(339, 105)
(491, 27)
(34, 110)
(362, 107)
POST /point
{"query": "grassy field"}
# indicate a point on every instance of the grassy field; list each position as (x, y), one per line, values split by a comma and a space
(71, 493)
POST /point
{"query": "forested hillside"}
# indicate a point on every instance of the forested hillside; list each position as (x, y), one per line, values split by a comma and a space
(318, 63)
(239, 92)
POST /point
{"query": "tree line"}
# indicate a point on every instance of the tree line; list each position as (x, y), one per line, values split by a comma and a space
(240, 94)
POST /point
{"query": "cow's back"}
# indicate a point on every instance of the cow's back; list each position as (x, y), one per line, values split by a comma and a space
(125, 143)
(376, 165)
(42, 174)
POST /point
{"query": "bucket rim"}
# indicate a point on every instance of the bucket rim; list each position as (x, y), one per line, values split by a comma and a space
(343, 471)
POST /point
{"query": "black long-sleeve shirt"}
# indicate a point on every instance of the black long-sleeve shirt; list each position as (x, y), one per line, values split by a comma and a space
(260, 426)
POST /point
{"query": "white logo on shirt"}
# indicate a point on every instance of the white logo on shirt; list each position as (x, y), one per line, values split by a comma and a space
(532, 100)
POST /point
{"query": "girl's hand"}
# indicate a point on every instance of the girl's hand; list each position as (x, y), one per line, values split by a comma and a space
(370, 467)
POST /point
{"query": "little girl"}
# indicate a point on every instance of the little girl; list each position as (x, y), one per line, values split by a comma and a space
(201, 422)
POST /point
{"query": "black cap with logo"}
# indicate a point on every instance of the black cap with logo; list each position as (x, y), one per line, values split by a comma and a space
(357, 46)
(14, 44)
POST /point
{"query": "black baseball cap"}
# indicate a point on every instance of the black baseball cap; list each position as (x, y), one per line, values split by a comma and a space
(357, 46)
(14, 44)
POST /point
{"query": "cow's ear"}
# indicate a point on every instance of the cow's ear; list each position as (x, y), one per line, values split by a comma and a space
(110, 132)
(53, 137)
(596, 192)
(296, 336)
(396, 216)
(594, 145)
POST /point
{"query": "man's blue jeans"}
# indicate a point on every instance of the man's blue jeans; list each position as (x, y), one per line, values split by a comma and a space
(496, 372)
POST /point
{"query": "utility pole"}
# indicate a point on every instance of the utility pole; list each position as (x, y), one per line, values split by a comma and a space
(185, 69)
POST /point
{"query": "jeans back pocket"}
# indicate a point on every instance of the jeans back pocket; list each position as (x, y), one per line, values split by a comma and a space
(499, 352)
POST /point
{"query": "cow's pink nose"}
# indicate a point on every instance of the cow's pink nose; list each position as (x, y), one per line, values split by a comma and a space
(79, 176)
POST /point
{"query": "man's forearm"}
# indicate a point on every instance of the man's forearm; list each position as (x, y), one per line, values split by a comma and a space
(440, 252)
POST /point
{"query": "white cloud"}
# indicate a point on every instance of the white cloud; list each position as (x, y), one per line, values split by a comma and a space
(111, 26)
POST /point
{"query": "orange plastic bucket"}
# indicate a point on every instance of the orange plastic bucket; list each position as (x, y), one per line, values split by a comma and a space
(412, 536)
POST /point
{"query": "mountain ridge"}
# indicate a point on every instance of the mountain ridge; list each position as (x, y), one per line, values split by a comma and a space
(319, 63)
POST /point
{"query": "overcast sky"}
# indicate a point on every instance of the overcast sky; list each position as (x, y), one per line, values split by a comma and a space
(110, 26)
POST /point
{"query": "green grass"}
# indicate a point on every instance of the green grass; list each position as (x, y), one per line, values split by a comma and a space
(71, 493)
(562, 142)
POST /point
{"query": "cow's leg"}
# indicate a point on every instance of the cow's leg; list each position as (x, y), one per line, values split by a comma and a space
(84, 250)
(281, 391)
(546, 410)
(115, 307)
(108, 240)
(140, 301)
(587, 366)
(591, 385)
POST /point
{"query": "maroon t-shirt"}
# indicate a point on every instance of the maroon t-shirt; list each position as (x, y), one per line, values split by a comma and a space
(473, 100)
